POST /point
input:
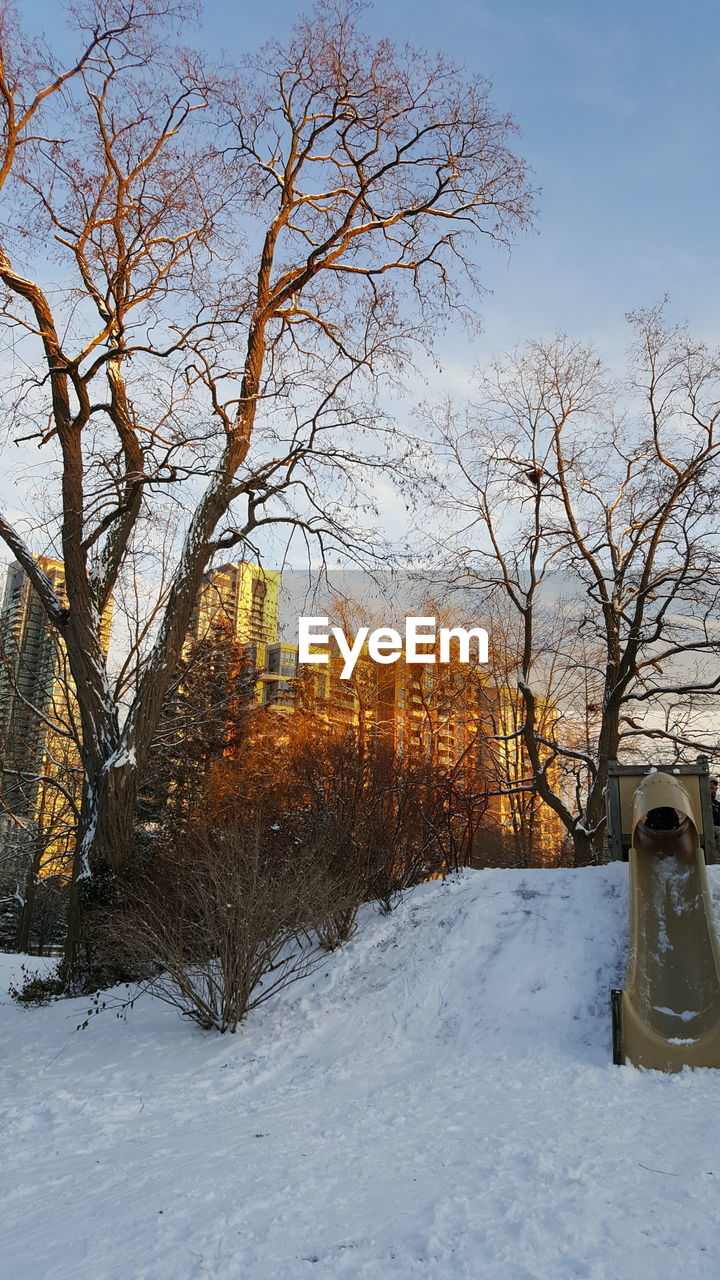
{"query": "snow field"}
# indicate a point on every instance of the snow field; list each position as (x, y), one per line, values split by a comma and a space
(437, 1100)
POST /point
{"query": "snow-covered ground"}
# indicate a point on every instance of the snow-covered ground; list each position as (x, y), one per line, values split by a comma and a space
(438, 1100)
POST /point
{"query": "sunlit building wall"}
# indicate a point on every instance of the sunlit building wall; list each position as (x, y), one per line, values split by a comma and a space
(41, 769)
(245, 597)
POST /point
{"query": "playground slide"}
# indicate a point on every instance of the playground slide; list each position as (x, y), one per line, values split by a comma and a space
(668, 1015)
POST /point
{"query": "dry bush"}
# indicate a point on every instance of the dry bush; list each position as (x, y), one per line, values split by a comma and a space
(337, 926)
(376, 824)
(339, 889)
(369, 823)
(219, 925)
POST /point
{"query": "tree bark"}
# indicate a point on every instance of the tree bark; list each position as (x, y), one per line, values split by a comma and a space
(26, 915)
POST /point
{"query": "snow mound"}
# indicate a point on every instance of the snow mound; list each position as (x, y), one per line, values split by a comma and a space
(437, 1100)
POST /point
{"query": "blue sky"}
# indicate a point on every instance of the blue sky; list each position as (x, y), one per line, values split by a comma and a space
(618, 103)
(618, 106)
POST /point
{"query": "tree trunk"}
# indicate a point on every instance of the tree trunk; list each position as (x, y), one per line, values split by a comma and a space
(70, 967)
(26, 915)
(114, 837)
(104, 844)
(584, 850)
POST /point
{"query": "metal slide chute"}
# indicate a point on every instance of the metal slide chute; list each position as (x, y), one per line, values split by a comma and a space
(668, 1015)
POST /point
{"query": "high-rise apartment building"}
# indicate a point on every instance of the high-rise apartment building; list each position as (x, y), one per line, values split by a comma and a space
(245, 600)
(38, 753)
(413, 708)
(245, 597)
(279, 675)
(26, 680)
(448, 714)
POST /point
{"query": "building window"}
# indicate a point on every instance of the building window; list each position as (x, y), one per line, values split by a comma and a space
(259, 592)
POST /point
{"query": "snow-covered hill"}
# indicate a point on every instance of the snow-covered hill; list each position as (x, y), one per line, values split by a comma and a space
(438, 1101)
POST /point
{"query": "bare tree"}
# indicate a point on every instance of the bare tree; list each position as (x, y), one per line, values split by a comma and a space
(208, 710)
(239, 257)
(591, 510)
(528, 832)
(217, 925)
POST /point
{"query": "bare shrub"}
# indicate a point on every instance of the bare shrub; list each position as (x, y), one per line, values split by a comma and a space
(378, 824)
(219, 925)
(370, 823)
(336, 899)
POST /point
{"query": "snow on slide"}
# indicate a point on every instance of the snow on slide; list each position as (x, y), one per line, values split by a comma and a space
(670, 1009)
(437, 1101)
